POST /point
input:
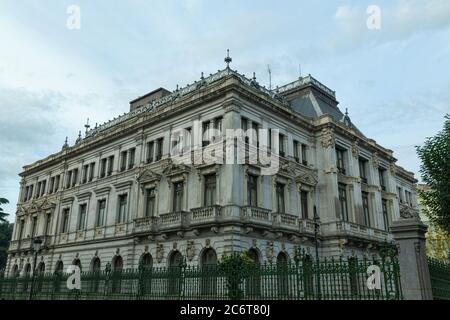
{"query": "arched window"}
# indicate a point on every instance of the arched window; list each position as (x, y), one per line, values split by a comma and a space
(15, 271)
(27, 270)
(41, 268)
(253, 282)
(59, 268)
(77, 262)
(146, 261)
(117, 266)
(209, 272)
(282, 274)
(95, 265)
(174, 285)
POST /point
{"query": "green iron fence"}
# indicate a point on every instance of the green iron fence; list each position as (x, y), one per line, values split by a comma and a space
(440, 278)
(306, 279)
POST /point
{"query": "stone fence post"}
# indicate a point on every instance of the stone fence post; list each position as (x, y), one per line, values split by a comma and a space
(409, 234)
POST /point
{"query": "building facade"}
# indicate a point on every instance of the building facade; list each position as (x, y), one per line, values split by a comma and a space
(118, 196)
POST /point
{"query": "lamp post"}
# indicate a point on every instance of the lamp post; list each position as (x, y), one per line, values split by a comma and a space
(36, 248)
(316, 242)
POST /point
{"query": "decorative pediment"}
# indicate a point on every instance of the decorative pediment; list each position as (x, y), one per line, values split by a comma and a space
(47, 205)
(307, 178)
(176, 169)
(288, 168)
(147, 176)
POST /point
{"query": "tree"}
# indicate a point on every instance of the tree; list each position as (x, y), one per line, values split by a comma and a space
(3, 214)
(6, 230)
(435, 172)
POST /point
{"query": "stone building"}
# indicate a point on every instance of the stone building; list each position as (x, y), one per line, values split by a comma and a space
(117, 196)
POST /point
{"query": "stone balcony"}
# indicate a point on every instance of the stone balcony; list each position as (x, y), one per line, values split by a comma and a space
(27, 244)
(353, 230)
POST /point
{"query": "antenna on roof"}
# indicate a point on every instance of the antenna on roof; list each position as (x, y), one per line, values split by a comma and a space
(299, 70)
(270, 77)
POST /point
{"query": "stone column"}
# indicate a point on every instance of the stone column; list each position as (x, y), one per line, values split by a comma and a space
(409, 234)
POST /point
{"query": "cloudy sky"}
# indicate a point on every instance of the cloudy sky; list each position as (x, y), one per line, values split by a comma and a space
(395, 80)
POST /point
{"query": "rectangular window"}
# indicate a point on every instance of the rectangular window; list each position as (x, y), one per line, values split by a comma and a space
(297, 151)
(151, 203)
(363, 170)
(38, 190)
(255, 137)
(366, 208)
(159, 149)
(43, 185)
(304, 154)
(270, 141)
(340, 163)
(304, 204)
(57, 183)
(150, 151)
(343, 201)
(123, 161)
(85, 173)
(82, 217)
(110, 165)
(123, 200)
(178, 196)
(252, 191)
(25, 193)
(31, 192)
(131, 159)
(34, 227)
(101, 208)
(52, 183)
(400, 194)
(48, 219)
(74, 177)
(103, 167)
(68, 178)
(381, 174)
(218, 127)
(385, 214)
(205, 133)
(65, 220)
(244, 127)
(282, 150)
(22, 229)
(91, 171)
(210, 190)
(280, 198)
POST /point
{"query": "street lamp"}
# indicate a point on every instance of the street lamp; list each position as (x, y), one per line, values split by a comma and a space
(36, 248)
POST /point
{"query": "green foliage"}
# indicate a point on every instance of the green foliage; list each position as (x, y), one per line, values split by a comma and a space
(236, 268)
(3, 215)
(435, 171)
(6, 230)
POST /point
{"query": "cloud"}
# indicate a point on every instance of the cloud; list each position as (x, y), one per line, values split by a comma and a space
(399, 22)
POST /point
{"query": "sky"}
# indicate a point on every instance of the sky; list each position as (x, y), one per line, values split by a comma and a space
(394, 79)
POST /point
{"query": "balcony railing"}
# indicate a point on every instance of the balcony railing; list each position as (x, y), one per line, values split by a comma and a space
(352, 229)
(205, 214)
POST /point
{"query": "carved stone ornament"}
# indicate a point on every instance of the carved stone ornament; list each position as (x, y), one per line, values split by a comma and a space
(355, 149)
(159, 252)
(327, 138)
(409, 213)
(375, 160)
(190, 250)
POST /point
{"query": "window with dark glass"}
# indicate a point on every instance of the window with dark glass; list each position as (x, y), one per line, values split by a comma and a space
(210, 190)
(85, 174)
(101, 207)
(381, 174)
(123, 161)
(178, 196)
(304, 204)
(123, 199)
(51, 184)
(255, 136)
(218, 127)
(206, 133)
(281, 147)
(22, 229)
(297, 151)
(82, 217)
(244, 127)
(280, 198)
(74, 177)
(252, 191)
(366, 208)
(304, 154)
(34, 227)
(103, 167)
(159, 149)
(151, 203)
(343, 201)
(384, 206)
(65, 220)
(363, 170)
(110, 165)
(340, 154)
(48, 219)
(400, 194)
(43, 187)
(131, 159)
(56, 183)
(91, 171)
(150, 151)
